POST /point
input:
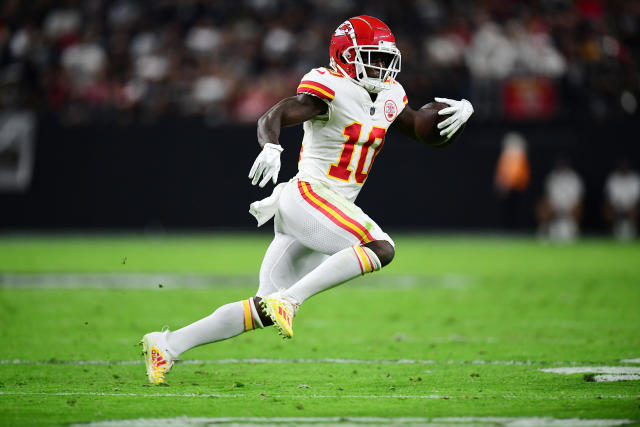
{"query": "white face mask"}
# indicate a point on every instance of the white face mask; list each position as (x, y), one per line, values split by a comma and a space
(361, 58)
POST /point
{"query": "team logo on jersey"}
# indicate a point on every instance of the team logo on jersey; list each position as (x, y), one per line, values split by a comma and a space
(390, 110)
(345, 29)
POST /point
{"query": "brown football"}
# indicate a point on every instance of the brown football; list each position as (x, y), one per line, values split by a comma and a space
(427, 120)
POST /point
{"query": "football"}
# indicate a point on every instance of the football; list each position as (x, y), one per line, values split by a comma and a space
(427, 120)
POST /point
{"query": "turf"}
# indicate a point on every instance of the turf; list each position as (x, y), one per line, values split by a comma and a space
(456, 306)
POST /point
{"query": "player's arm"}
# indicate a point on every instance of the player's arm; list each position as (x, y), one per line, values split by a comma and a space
(437, 124)
(407, 123)
(288, 112)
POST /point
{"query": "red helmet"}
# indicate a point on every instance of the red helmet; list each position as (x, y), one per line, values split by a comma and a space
(361, 43)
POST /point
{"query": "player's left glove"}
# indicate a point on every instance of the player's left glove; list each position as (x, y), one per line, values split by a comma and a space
(267, 165)
(460, 112)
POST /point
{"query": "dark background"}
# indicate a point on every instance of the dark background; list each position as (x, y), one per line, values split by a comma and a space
(146, 110)
(183, 174)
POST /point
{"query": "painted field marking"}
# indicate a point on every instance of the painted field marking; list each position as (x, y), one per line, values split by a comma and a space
(616, 370)
(232, 396)
(197, 281)
(288, 361)
(606, 378)
(300, 396)
(437, 421)
(605, 373)
(221, 362)
(636, 360)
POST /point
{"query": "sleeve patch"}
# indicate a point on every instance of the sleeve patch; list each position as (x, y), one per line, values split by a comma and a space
(405, 100)
(317, 89)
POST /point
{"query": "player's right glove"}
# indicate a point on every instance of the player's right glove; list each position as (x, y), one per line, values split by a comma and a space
(267, 165)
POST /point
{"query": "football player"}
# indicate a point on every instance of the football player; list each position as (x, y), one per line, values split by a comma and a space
(322, 239)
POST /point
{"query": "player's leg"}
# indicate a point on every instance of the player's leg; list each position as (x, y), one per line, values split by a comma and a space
(161, 349)
(344, 265)
(324, 221)
(285, 261)
(278, 267)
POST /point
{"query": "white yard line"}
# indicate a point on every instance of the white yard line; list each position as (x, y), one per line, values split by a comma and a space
(493, 362)
(345, 420)
(218, 395)
(606, 378)
(593, 370)
(535, 421)
(636, 360)
(302, 396)
(605, 373)
(178, 281)
(616, 370)
(289, 361)
(123, 394)
(222, 362)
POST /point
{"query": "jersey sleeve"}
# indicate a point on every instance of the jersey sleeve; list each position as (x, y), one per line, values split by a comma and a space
(317, 82)
(401, 94)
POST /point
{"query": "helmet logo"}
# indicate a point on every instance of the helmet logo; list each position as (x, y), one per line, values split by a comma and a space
(390, 110)
(345, 29)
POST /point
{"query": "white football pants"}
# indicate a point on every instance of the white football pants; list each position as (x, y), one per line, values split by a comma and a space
(312, 223)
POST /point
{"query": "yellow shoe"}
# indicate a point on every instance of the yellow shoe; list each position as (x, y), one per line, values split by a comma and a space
(156, 356)
(281, 310)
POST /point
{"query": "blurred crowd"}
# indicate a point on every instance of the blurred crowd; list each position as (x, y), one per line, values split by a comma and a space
(230, 60)
(559, 209)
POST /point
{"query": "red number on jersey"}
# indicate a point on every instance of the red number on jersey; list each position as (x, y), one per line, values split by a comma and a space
(376, 133)
(341, 170)
(352, 132)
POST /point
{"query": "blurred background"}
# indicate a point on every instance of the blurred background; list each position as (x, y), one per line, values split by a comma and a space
(140, 115)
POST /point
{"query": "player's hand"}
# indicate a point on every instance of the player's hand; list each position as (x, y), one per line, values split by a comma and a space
(460, 112)
(267, 165)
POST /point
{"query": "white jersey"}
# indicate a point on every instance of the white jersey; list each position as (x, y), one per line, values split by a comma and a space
(339, 147)
(565, 189)
(623, 190)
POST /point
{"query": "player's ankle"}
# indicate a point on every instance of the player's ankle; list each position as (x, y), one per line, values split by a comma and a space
(264, 318)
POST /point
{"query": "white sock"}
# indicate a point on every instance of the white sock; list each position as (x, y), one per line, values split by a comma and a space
(227, 321)
(338, 268)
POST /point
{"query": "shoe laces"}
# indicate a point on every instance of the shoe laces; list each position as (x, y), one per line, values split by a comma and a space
(293, 303)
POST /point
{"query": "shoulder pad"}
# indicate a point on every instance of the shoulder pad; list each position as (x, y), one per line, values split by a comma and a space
(317, 82)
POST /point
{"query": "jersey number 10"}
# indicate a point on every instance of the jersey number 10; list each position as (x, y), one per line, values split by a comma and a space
(352, 132)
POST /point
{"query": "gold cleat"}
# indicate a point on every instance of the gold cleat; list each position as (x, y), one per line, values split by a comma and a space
(156, 356)
(281, 310)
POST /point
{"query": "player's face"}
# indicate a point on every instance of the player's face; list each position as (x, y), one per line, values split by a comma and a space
(377, 59)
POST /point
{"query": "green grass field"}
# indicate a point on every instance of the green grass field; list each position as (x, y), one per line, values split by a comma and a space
(455, 331)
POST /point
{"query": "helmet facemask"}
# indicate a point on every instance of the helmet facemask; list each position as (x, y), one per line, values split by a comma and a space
(384, 58)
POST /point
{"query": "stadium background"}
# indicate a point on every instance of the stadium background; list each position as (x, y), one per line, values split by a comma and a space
(143, 114)
(125, 123)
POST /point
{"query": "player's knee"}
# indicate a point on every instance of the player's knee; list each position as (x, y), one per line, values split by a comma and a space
(383, 250)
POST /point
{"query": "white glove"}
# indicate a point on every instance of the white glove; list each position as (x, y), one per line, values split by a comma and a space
(267, 165)
(460, 112)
